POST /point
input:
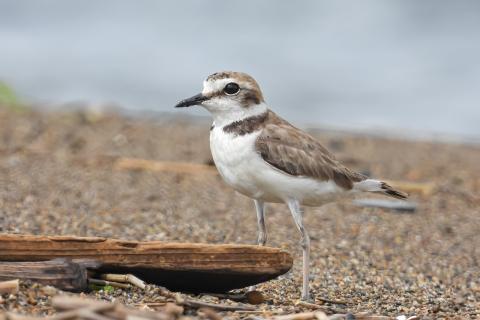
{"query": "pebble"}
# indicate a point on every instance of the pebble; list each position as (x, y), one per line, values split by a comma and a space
(423, 264)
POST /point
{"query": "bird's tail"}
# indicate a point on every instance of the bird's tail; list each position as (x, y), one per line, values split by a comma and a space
(371, 185)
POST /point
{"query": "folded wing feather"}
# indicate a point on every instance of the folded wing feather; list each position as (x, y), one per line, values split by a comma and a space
(298, 154)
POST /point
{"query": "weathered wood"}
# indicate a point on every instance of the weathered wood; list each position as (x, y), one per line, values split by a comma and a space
(252, 297)
(80, 308)
(422, 188)
(163, 166)
(124, 278)
(10, 286)
(179, 266)
(60, 273)
(316, 315)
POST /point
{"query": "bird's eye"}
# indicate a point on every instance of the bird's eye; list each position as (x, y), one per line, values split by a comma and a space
(231, 88)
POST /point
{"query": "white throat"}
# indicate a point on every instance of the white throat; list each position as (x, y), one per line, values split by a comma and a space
(224, 117)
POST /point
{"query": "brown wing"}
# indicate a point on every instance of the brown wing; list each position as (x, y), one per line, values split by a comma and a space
(297, 153)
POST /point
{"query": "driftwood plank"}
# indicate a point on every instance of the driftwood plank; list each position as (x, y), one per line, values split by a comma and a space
(180, 266)
(60, 273)
(163, 166)
(422, 188)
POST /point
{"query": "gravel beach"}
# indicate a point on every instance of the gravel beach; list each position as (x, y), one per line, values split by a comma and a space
(57, 177)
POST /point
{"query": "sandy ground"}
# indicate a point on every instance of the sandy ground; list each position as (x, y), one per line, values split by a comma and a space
(57, 177)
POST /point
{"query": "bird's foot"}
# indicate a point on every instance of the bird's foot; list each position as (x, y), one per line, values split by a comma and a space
(307, 298)
(262, 239)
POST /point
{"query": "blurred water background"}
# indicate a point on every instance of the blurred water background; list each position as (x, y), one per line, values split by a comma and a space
(410, 67)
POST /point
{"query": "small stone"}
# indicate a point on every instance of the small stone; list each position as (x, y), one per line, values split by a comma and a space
(255, 297)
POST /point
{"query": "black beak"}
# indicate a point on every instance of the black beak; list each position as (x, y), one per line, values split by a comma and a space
(192, 101)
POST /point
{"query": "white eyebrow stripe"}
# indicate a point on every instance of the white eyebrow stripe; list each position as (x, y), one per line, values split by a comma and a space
(210, 87)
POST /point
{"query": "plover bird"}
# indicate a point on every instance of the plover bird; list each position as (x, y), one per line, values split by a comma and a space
(267, 159)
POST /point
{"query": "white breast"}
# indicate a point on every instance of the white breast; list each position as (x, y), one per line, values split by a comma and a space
(233, 156)
(243, 168)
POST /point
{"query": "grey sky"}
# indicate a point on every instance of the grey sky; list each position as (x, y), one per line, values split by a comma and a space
(409, 65)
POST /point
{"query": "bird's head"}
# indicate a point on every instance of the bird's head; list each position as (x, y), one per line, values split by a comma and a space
(228, 95)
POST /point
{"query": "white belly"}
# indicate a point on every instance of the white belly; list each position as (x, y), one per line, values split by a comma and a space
(243, 169)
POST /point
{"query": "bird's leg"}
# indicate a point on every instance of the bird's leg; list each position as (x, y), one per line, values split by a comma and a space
(262, 231)
(297, 214)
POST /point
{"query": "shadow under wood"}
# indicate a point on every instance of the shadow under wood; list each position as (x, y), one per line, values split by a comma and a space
(192, 281)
